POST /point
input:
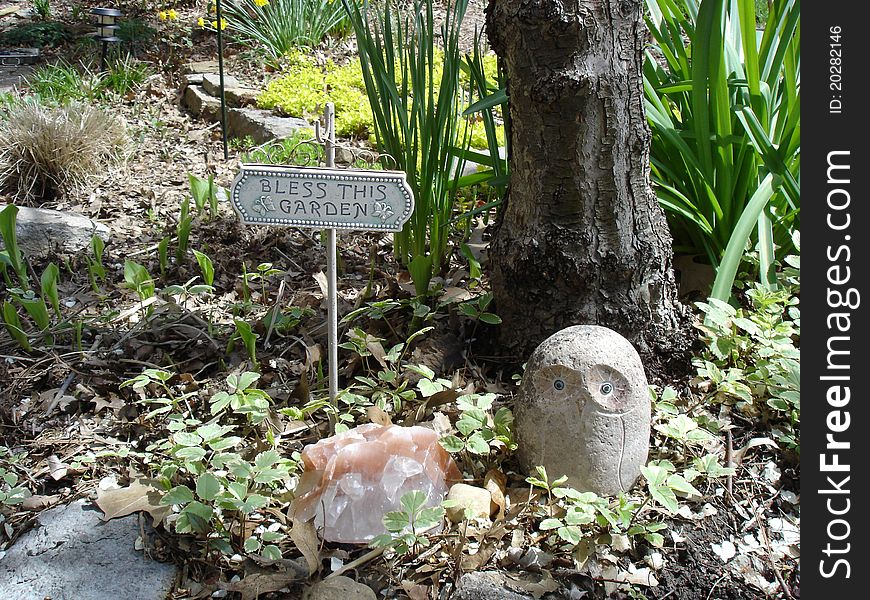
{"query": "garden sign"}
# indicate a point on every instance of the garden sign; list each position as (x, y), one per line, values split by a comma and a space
(323, 198)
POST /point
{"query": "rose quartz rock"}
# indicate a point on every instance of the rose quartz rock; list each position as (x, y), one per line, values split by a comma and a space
(351, 479)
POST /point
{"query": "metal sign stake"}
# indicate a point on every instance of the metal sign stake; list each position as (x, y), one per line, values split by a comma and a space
(331, 268)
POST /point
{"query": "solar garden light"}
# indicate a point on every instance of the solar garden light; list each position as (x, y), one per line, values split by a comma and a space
(106, 28)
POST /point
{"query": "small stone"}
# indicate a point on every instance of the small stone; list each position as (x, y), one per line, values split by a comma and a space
(238, 97)
(262, 125)
(486, 585)
(583, 410)
(201, 104)
(202, 66)
(41, 231)
(341, 587)
(193, 79)
(477, 500)
(353, 478)
(211, 83)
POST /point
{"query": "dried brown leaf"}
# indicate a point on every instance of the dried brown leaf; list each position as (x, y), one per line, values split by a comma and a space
(495, 481)
(535, 588)
(455, 294)
(137, 496)
(379, 416)
(378, 352)
(415, 591)
(39, 502)
(57, 468)
(320, 278)
(739, 454)
(114, 403)
(304, 536)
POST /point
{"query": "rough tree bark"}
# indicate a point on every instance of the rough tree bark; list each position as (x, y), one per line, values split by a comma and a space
(582, 239)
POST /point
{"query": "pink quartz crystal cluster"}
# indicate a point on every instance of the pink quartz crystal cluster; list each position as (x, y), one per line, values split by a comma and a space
(352, 478)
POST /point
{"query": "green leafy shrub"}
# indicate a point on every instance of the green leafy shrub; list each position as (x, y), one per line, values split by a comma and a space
(135, 32)
(304, 88)
(752, 359)
(47, 152)
(724, 108)
(61, 82)
(217, 475)
(124, 75)
(36, 34)
(42, 9)
(479, 430)
(299, 149)
(278, 27)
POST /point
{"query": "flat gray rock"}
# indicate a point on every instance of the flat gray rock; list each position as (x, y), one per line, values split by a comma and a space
(193, 78)
(486, 585)
(262, 125)
(211, 83)
(201, 104)
(11, 77)
(237, 97)
(73, 555)
(202, 66)
(41, 231)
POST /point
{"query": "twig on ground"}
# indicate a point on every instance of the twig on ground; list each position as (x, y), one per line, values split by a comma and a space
(729, 462)
(369, 556)
(60, 392)
(717, 582)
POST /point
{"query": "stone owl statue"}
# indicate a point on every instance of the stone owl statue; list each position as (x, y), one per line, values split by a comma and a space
(583, 410)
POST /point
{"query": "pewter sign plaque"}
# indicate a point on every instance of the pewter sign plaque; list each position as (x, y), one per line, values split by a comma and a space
(322, 198)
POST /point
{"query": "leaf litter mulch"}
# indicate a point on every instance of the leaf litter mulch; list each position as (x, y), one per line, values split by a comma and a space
(73, 430)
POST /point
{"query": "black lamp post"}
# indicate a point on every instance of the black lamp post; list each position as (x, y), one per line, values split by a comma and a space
(107, 27)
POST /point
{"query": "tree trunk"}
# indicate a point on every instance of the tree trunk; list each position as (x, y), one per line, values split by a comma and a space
(582, 238)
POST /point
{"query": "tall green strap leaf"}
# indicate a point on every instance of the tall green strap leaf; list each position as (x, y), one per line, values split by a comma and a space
(12, 253)
(736, 245)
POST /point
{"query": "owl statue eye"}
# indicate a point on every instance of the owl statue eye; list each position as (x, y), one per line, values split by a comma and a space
(557, 380)
(608, 388)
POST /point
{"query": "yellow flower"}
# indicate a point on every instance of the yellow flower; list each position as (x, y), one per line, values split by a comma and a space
(223, 24)
(172, 14)
(261, 2)
(201, 22)
(162, 15)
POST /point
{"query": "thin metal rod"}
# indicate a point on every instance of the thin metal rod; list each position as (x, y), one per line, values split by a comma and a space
(331, 269)
(220, 49)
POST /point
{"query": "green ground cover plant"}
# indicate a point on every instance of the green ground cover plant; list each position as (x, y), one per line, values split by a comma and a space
(304, 88)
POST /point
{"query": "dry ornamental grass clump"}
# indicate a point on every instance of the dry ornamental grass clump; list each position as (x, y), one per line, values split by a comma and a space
(49, 152)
